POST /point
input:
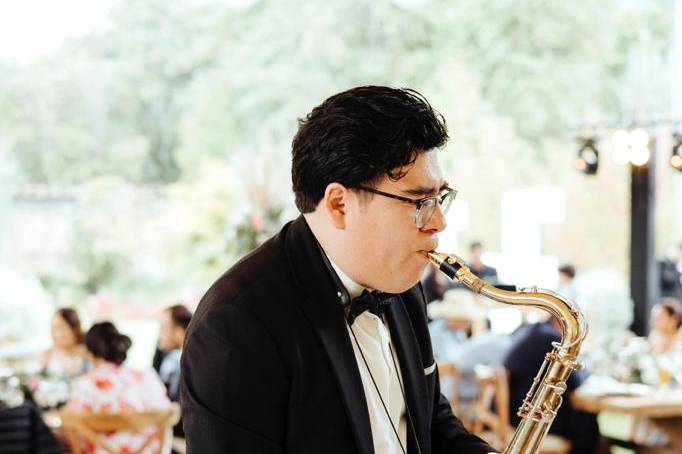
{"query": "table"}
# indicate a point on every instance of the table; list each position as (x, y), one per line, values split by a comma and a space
(661, 406)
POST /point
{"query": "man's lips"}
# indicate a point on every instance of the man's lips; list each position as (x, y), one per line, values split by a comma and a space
(430, 248)
(425, 252)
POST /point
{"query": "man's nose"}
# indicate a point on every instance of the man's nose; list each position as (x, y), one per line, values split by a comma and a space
(437, 223)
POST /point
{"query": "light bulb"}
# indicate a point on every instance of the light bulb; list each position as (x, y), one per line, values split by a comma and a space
(639, 138)
(621, 155)
(676, 161)
(640, 156)
(620, 139)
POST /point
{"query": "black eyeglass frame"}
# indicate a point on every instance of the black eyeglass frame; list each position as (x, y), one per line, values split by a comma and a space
(418, 202)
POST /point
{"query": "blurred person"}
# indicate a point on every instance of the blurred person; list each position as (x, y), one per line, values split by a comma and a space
(453, 340)
(666, 319)
(476, 265)
(68, 356)
(530, 343)
(670, 272)
(317, 341)
(174, 323)
(566, 285)
(452, 323)
(112, 387)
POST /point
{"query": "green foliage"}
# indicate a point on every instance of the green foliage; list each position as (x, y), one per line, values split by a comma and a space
(170, 82)
(197, 103)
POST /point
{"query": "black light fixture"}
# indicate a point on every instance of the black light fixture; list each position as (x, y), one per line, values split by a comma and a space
(676, 156)
(588, 156)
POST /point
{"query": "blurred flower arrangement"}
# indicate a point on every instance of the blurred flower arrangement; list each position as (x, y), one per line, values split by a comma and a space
(628, 359)
(254, 229)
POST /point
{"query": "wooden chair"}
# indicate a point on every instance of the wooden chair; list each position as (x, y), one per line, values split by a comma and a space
(464, 411)
(493, 425)
(91, 427)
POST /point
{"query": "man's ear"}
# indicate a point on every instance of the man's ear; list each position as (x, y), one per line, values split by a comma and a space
(334, 204)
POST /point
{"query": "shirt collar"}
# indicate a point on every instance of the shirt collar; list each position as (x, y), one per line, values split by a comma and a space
(354, 289)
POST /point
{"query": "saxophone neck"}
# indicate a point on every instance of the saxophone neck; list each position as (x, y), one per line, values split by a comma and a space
(574, 328)
(545, 396)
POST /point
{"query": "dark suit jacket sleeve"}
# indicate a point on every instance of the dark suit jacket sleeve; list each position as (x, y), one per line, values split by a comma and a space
(228, 360)
(448, 435)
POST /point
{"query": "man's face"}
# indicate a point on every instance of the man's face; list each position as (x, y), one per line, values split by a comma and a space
(476, 254)
(168, 333)
(388, 249)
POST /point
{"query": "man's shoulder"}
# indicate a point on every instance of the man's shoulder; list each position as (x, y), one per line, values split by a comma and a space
(256, 283)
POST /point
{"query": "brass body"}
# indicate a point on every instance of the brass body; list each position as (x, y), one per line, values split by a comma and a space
(545, 395)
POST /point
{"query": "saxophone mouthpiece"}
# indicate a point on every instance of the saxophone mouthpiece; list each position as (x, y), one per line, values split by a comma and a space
(448, 264)
(436, 258)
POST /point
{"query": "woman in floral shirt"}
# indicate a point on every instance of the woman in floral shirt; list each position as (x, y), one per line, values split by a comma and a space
(111, 387)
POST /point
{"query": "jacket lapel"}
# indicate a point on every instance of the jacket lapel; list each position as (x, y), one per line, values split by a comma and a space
(412, 369)
(323, 308)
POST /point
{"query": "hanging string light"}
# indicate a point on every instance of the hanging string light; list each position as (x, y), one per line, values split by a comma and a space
(676, 157)
(632, 146)
(587, 160)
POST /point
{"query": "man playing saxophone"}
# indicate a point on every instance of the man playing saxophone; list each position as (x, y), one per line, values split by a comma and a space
(317, 341)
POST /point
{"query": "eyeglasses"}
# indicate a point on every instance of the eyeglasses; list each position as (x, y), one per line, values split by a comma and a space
(425, 207)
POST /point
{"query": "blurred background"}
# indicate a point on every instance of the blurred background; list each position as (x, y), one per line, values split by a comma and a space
(145, 144)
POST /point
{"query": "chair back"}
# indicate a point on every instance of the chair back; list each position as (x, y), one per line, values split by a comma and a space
(463, 410)
(448, 370)
(492, 385)
(94, 426)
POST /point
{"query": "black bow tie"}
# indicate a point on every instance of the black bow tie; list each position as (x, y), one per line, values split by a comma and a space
(375, 302)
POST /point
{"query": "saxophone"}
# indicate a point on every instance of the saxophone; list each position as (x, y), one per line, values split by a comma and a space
(545, 395)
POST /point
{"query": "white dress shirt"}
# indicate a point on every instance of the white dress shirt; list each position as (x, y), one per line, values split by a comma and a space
(374, 340)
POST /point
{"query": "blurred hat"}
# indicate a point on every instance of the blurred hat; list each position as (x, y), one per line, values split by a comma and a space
(458, 304)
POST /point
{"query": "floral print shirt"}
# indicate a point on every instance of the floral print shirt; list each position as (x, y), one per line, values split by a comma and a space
(119, 389)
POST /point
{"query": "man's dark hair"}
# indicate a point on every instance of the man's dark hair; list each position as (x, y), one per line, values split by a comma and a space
(568, 270)
(357, 136)
(180, 315)
(475, 245)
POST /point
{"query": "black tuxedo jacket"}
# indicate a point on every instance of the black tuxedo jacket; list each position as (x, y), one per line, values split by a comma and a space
(268, 366)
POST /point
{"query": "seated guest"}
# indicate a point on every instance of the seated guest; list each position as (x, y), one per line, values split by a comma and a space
(486, 349)
(666, 319)
(454, 339)
(566, 287)
(476, 265)
(453, 321)
(174, 322)
(67, 357)
(529, 345)
(112, 387)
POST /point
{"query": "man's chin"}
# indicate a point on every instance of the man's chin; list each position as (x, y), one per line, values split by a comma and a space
(401, 287)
